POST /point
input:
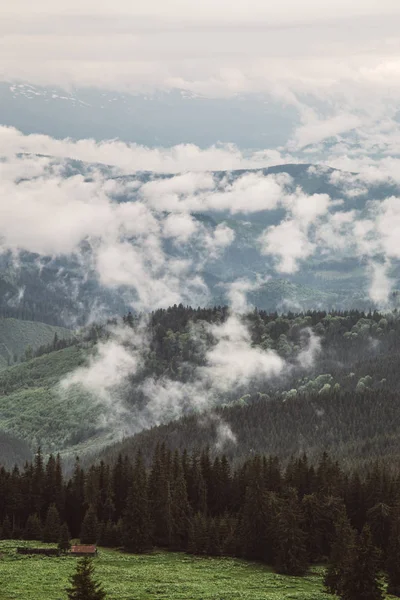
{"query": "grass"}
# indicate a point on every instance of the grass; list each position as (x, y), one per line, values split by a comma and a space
(162, 575)
(16, 335)
(33, 408)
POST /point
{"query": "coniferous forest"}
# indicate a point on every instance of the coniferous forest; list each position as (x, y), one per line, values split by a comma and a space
(289, 517)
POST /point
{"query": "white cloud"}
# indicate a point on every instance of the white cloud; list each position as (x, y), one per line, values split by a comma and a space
(381, 284)
(130, 158)
(288, 243)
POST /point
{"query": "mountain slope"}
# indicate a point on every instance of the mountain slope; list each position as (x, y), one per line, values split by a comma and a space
(341, 392)
(17, 335)
(67, 290)
(159, 119)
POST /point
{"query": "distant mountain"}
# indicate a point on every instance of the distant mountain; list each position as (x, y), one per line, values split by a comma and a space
(159, 119)
(56, 291)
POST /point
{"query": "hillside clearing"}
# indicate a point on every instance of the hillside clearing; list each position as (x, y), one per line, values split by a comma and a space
(159, 575)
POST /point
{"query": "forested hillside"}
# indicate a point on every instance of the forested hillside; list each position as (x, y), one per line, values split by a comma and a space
(225, 242)
(335, 386)
(20, 339)
(289, 518)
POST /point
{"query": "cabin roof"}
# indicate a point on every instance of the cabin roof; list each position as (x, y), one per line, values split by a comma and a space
(83, 549)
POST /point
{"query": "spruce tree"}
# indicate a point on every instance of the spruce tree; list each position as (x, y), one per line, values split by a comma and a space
(291, 553)
(109, 535)
(393, 562)
(90, 527)
(6, 529)
(361, 576)
(198, 535)
(33, 528)
(64, 541)
(180, 509)
(160, 499)
(83, 585)
(136, 521)
(342, 547)
(52, 526)
(214, 541)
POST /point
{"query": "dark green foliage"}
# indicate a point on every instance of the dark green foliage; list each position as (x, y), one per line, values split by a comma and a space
(341, 554)
(33, 528)
(64, 540)
(286, 517)
(52, 525)
(393, 555)
(291, 554)
(110, 535)
(90, 527)
(360, 579)
(83, 585)
(136, 520)
(199, 540)
(160, 497)
(180, 509)
(256, 536)
(6, 530)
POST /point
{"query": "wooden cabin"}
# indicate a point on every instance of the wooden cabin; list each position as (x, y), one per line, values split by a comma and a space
(83, 550)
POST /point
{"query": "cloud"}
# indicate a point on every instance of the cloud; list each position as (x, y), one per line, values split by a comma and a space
(311, 348)
(237, 293)
(149, 239)
(381, 284)
(130, 158)
(230, 364)
(105, 378)
(315, 129)
(289, 243)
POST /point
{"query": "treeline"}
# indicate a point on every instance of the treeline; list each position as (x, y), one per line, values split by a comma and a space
(355, 427)
(287, 517)
(346, 338)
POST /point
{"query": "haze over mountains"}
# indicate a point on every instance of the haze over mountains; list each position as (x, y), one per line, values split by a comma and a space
(194, 178)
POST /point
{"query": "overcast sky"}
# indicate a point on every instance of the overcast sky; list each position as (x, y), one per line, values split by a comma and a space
(213, 47)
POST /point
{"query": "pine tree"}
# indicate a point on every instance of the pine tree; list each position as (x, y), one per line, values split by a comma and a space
(393, 562)
(180, 509)
(214, 541)
(83, 585)
(361, 577)
(90, 527)
(198, 535)
(136, 521)
(52, 526)
(75, 500)
(342, 547)
(253, 536)
(33, 528)
(160, 499)
(291, 553)
(64, 541)
(6, 529)
(38, 484)
(379, 520)
(109, 535)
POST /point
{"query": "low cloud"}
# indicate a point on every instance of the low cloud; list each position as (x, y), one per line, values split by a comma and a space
(231, 364)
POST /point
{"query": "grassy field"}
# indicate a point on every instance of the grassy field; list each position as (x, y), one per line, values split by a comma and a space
(16, 335)
(35, 409)
(160, 575)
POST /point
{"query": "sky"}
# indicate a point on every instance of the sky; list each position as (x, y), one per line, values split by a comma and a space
(217, 48)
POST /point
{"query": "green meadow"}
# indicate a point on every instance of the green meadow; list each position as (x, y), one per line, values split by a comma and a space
(158, 575)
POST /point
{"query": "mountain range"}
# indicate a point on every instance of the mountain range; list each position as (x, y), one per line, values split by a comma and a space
(57, 291)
